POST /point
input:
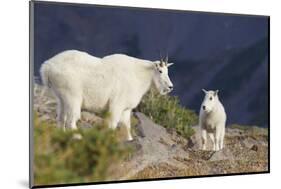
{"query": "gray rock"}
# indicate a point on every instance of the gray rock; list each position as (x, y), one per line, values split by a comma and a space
(155, 145)
(224, 154)
(248, 142)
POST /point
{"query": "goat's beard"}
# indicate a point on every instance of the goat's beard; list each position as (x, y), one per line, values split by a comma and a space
(161, 91)
(165, 91)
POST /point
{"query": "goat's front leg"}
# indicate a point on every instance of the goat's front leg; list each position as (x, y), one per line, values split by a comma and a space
(114, 118)
(126, 120)
(204, 138)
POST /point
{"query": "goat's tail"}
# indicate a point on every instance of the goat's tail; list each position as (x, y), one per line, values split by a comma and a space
(44, 72)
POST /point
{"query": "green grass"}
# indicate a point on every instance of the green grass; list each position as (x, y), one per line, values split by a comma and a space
(60, 158)
(166, 110)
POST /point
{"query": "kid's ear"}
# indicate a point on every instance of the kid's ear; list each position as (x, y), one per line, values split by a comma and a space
(216, 92)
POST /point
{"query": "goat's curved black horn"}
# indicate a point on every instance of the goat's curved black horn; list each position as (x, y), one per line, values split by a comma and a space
(166, 59)
(161, 58)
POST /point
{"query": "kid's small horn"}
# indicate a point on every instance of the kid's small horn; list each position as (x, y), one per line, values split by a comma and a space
(166, 60)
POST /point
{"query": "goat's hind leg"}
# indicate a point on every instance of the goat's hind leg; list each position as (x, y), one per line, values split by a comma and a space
(218, 134)
(61, 117)
(212, 137)
(73, 112)
(221, 142)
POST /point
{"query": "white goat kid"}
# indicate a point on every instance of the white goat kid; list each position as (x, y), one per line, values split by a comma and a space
(212, 120)
(115, 83)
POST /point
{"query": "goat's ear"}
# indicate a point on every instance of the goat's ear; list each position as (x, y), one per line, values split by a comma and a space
(170, 64)
(156, 64)
(204, 91)
(216, 92)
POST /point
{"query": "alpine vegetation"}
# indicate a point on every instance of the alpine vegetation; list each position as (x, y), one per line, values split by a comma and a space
(115, 83)
(212, 120)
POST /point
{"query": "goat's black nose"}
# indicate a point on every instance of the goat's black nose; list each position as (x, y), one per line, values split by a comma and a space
(204, 107)
(171, 87)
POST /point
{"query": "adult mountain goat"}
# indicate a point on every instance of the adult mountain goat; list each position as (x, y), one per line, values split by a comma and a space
(115, 83)
(212, 120)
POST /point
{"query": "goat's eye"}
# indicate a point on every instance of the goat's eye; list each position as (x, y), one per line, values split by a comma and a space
(211, 98)
(160, 71)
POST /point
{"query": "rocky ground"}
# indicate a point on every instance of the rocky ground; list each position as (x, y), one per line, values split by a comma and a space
(163, 153)
(160, 152)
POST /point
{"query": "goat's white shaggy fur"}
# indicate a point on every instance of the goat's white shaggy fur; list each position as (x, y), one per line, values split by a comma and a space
(115, 83)
(212, 120)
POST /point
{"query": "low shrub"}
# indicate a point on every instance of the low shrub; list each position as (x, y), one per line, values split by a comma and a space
(167, 111)
(59, 157)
